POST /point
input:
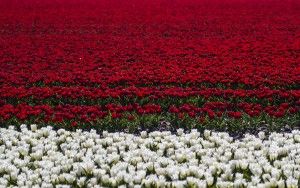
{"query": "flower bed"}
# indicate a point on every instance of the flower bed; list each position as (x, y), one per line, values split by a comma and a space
(218, 64)
(139, 68)
(42, 156)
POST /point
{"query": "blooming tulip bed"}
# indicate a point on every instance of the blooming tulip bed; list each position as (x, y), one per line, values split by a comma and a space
(44, 157)
(150, 93)
(227, 65)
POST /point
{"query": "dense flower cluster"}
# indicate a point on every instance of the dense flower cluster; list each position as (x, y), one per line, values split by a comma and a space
(91, 93)
(134, 113)
(140, 43)
(50, 158)
(88, 61)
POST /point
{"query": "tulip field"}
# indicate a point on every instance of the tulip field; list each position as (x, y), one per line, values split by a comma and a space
(228, 65)
(109, 71)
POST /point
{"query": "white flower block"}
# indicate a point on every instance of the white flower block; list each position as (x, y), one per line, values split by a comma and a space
(42, 157)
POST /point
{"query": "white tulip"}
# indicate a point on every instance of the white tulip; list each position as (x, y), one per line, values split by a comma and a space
(144, 134)
(209, 180)
(297, 138)
(207, 134)
(275, 173)
(280, 184)
(179, 184)
(180, 132)
(291, 183)
(261, 135)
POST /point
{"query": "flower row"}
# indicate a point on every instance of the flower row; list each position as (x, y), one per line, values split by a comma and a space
(48, 158)
(75, 92)
(89, 113)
